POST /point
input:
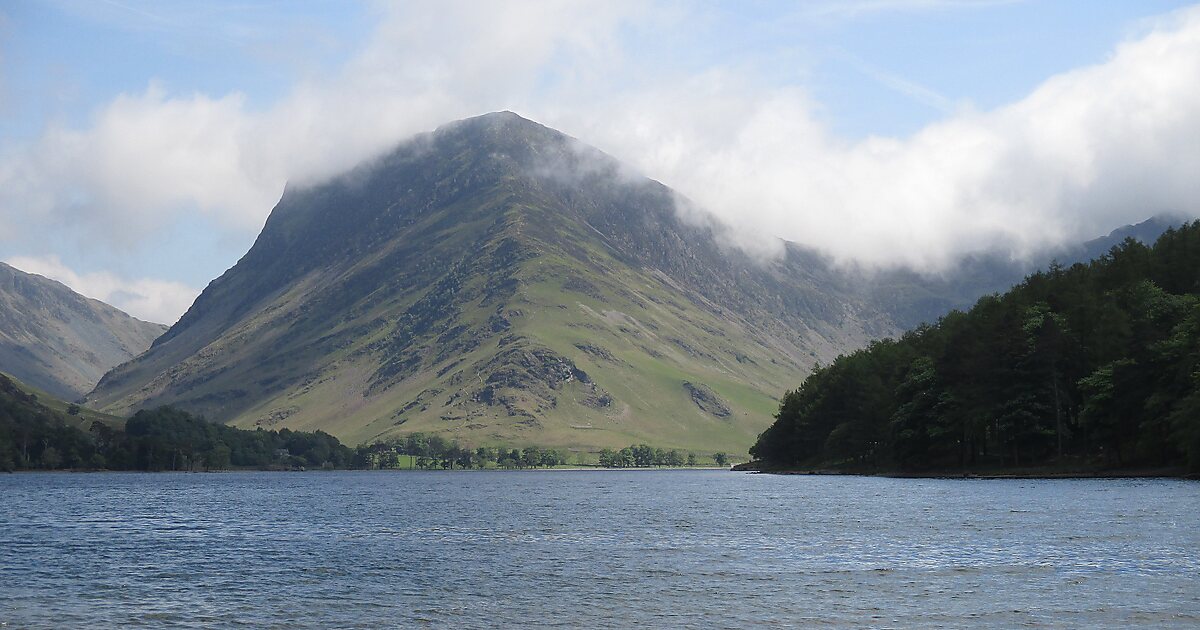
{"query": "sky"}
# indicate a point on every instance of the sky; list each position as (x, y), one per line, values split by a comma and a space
(144, 143)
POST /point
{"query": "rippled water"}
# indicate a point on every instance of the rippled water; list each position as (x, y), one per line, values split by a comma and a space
(699, 549)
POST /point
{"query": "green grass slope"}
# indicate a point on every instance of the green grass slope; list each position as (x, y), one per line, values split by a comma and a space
(82, 418)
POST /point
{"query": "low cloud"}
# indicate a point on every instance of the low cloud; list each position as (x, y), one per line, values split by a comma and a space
(148, 299)
(1086, 151)
(146, 159)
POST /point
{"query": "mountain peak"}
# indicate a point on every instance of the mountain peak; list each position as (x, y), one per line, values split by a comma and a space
(503, 118)
(500, 126)
(525, 144)
(502, 282)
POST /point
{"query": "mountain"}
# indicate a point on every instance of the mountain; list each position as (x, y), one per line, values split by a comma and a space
(59, 341)
(499, 282)
(1146, 232)
(911, 298)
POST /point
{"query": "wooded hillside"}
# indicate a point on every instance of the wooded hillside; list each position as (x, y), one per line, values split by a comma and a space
(1096, 365)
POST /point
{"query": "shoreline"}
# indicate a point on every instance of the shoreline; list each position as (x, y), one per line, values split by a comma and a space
(1125, 473)
(362, 470)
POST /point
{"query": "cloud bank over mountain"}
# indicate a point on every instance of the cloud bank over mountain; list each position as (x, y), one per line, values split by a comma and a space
(1085, 151)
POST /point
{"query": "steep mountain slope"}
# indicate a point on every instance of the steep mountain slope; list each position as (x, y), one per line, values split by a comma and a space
(501, 282)
(59, 341)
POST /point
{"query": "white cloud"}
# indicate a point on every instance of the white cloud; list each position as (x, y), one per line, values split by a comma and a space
(147, 158)
(148, 299)
(144, 158)
(1086, 151)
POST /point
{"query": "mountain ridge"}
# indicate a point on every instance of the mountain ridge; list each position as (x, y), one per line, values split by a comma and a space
(60, 341)
(913, 299)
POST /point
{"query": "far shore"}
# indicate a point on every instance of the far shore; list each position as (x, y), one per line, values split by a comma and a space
(366, 470)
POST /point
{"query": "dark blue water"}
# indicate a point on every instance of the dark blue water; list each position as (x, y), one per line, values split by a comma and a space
(701, 549)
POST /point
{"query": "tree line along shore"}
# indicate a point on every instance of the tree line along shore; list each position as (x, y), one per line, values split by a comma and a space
(35, 437)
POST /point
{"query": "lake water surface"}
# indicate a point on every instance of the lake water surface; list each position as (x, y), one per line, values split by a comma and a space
(669, 549)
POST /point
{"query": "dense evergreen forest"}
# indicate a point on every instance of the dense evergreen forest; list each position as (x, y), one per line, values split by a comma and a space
(33, 436)
(1087, 368)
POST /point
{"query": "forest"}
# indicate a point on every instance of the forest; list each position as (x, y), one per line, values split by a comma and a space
(33, 436)
(1091, 367)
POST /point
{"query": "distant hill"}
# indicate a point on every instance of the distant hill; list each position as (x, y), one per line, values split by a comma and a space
(911, 298)
(499, 282)
(1146, 232)
(59, 341)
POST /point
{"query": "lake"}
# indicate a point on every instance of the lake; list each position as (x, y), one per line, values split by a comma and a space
(668, 549)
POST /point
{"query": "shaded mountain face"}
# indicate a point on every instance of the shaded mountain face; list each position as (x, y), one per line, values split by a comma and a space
(910, 299)
(59, 341)
(498, 282)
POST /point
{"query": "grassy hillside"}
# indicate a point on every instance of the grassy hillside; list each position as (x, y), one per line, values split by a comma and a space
(71, 414)
(627, 347)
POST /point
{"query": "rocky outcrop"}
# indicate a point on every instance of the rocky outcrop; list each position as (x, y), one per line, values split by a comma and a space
(707, 400)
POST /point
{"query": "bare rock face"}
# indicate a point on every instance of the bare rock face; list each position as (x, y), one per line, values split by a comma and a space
(59, 341)
(707, 400)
